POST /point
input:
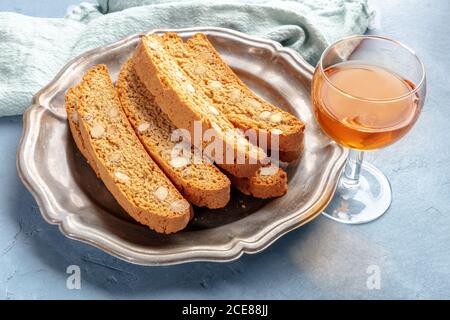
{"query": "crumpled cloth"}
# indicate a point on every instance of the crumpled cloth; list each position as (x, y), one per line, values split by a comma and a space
(33, 50)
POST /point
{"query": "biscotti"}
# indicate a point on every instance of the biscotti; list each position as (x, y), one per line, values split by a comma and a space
(186, 106)
(269, 182)
(289, 156)
(72, 117)
(123, 164)
(231, 96)
(199, 182)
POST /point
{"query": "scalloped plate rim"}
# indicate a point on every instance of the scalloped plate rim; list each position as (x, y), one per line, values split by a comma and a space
(237, 247)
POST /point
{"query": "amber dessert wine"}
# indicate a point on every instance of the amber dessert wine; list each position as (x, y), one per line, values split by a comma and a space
(366, 121)
(367, 93)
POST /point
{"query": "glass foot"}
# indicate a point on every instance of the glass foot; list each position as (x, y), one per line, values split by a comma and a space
(363, 201)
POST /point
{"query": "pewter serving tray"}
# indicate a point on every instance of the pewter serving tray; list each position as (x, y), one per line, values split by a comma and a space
(69, 194)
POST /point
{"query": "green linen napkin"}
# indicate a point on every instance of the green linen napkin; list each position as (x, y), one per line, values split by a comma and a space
(33, 50)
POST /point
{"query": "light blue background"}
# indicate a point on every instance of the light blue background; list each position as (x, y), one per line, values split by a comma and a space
(410, 244)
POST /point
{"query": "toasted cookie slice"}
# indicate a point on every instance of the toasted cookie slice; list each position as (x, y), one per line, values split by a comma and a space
(199, 181)
(186, 106)
(242, 107)
(269, 182)
(72, 119)
(123, 164)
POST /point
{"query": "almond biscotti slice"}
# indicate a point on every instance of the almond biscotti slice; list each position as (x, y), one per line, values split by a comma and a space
(201, 183)
(231, 96)
(289, 156)
(186, 106)
(72, 118)
(269, 182)
(124, 166)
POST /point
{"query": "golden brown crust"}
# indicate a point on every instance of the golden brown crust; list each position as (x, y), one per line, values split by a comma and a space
(183, 108)
(138, 173)
(289, 156)
(201, 183)
(198, 50)
(72, 119)
(263, 187)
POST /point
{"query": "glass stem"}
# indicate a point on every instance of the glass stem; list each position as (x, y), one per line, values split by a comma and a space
(353, 167)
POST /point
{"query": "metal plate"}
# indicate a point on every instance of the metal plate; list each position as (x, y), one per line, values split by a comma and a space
(69, 194)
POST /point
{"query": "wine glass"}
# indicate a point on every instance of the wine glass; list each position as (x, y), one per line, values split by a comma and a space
(367, 93)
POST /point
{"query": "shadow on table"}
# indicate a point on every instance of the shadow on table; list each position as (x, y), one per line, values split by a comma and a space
(114, 275)
(312, 262)
(252, 275)
(306, 263)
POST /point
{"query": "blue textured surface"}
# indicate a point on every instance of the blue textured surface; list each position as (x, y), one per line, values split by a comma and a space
(410, 244)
